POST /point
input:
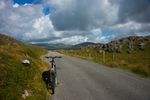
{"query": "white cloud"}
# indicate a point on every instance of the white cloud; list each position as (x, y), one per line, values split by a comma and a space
(19, 20)
(126, 29)
(2, 5)
(42, 28)
(73, 21)
(71, 40)
(16, 5)
(94, 35)
(83, 14)
(106, 39)
(43, 22)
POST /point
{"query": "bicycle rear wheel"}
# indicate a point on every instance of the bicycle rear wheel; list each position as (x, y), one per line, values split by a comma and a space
(53, 81)
(53, 89)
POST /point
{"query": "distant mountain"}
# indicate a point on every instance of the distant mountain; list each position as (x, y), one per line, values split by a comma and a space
(53, 46)
(84, 44)
(81, 45)
(64, 46)
(122, 41)
(131, 40)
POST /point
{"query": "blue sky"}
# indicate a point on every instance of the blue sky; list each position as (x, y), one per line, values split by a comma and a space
(21, 2)
(74, 21)
(47, 8)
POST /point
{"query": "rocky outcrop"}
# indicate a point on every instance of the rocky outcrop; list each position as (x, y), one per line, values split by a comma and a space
(129, 44)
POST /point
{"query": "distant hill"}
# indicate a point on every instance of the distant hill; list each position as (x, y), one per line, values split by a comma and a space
(81, 45)
(135, 39)
(53, 46)
(132, 40)
(15, 78)
(64, 46)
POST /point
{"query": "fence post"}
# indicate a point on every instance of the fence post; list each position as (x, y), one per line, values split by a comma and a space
(103, 56)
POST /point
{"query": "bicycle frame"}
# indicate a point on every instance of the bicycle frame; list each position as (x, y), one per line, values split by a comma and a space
(53, 71)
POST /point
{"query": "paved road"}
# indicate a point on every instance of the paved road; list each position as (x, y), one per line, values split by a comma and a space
(84, 80)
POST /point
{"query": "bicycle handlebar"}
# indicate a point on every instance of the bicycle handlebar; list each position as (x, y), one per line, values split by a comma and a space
(53, 57)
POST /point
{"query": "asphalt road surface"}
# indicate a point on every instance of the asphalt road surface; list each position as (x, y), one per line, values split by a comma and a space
(84, 80)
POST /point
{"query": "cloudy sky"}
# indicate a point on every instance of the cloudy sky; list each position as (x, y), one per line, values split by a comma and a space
(74, 21)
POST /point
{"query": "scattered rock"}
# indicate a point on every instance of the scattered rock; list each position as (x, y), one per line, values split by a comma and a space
(26, 94)
(26, 62)
(142, 45)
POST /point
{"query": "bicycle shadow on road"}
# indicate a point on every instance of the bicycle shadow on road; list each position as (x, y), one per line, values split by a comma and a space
(46, 76)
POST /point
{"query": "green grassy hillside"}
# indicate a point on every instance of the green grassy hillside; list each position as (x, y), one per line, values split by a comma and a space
(15, 77)
(127, 54)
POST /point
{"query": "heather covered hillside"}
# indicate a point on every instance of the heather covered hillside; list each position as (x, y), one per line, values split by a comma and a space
(16, 78)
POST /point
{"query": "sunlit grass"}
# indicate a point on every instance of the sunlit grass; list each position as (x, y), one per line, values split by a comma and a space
(16, 77)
